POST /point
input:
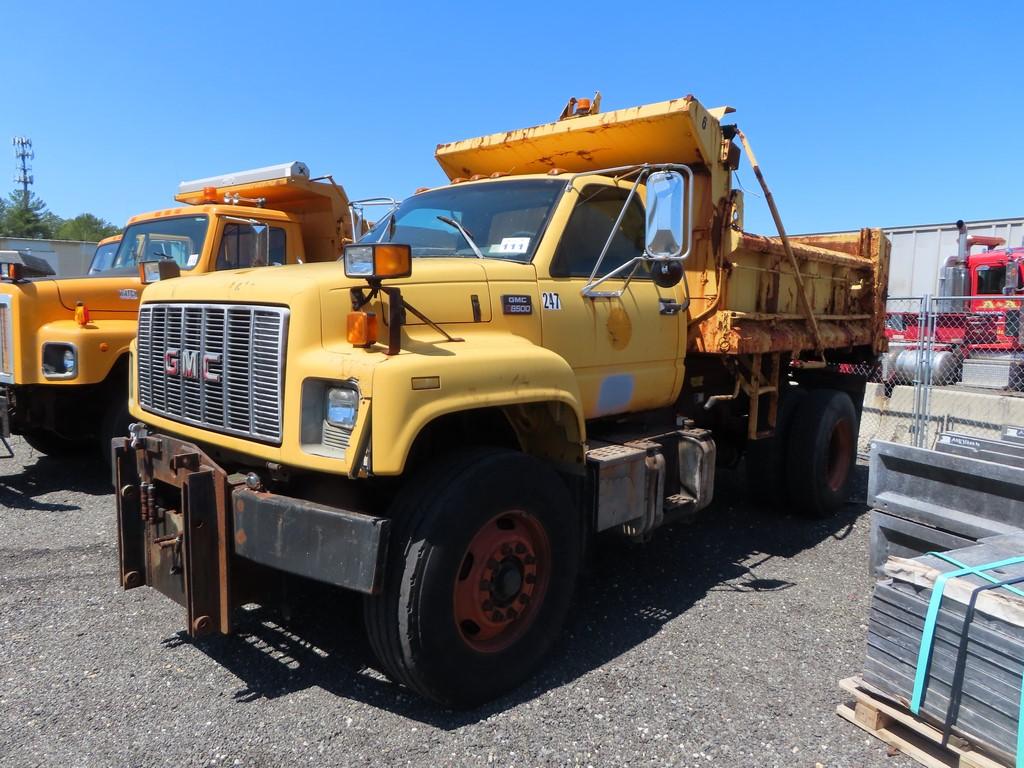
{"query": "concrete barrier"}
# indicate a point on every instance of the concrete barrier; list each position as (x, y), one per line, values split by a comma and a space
(975, 412)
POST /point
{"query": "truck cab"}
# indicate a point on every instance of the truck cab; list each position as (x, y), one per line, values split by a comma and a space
(64, 370)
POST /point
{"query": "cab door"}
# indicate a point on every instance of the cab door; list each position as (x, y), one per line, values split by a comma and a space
(624, 349)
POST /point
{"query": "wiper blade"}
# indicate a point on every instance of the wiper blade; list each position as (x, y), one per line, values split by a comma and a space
(465, 233)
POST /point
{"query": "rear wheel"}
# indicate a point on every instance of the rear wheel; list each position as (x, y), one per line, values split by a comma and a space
(767, 481)
(483, 561)
(822, 452)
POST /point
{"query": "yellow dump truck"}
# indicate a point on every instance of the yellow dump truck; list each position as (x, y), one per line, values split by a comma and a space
(64, 342)
(560, 343)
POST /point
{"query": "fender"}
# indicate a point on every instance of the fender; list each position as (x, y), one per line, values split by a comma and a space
(100, 344)
(482, 372)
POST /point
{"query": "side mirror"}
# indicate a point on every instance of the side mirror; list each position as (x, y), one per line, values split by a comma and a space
(262, 255)
(666, 195)
(153, 271)
(1012, 284)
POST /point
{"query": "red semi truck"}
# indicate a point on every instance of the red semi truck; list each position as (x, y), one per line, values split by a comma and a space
(973, 329)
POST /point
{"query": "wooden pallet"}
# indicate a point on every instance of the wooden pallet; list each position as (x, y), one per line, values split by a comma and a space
(903, 731)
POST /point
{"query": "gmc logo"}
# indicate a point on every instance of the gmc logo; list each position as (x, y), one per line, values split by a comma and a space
(191, 364)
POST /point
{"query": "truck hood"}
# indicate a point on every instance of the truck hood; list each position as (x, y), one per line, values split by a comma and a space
(104, 293)
(440, 288)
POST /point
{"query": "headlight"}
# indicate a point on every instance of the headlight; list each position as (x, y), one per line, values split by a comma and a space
(359, 261)
(342, 406)
(60, 361)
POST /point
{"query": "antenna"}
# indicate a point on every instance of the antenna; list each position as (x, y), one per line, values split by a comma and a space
(23, 174)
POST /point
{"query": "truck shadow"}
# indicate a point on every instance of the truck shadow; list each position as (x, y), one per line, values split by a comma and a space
(33, 474)
(616, 609)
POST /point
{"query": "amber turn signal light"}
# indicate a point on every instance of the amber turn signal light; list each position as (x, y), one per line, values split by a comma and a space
(377, 261)
(81, 314)
(362, 329)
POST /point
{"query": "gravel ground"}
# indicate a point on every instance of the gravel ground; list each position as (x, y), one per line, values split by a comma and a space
(717, 644)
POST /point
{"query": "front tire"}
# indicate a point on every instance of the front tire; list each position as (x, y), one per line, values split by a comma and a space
(115, 424)
(52, 444)
(484, 554)
(822, 453)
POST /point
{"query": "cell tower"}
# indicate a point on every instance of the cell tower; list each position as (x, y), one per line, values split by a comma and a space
(23, 174)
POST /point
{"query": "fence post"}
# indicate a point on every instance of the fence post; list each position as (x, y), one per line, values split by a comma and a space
(922, 373)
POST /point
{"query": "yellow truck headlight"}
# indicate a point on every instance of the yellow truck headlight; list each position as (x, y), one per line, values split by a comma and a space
(342, 406)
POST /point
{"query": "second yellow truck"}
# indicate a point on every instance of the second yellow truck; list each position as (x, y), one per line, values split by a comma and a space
(64, 342)
(559, 343)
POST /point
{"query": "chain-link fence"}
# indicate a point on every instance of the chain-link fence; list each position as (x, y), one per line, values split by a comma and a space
(954, 364)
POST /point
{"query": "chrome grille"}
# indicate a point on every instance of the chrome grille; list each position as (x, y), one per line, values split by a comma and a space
(218, 366)
(6, 341)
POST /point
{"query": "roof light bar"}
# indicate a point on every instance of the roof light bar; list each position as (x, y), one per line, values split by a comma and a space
(293, 170)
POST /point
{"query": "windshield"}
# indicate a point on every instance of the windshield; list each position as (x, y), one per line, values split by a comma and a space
(103, 258)
(180, 238)
(505, 219)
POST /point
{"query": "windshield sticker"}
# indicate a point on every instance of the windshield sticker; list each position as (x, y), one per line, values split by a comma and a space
(551, 300)
(129, 294)
(514, 245)
(517, 304)
(193, 259)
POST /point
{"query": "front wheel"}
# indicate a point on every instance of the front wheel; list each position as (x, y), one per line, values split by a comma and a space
(484, 554)
(116, 420)
(52, 444)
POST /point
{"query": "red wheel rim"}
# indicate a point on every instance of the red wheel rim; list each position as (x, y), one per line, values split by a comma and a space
(840, 454)
(502, 580)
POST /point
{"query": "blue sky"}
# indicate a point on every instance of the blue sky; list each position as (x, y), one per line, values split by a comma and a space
(861, 114)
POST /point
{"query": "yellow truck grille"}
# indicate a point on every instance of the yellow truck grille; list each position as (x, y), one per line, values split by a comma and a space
(6, 341)
(217, 366)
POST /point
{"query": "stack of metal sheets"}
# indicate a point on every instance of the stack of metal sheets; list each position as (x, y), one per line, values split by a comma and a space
(971, 680)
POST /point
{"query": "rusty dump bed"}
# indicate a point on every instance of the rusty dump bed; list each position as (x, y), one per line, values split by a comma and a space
(748, 303)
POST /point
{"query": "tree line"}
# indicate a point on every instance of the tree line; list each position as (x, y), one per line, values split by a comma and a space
(31, 219)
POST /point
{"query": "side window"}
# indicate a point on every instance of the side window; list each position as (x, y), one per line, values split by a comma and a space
(587, 231)
(238, 247)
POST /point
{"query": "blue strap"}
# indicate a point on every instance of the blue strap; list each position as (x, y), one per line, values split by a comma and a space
(990, 579)
(1020, 729)
(928, 634)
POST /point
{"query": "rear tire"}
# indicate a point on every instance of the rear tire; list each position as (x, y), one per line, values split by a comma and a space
(822, 453)
(484, 553)
(767, 481)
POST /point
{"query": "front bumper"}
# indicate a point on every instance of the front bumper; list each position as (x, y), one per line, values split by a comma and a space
(197, 534)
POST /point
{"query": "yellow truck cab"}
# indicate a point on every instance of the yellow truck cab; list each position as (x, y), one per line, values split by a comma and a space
(559, 343)
(64, 361)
